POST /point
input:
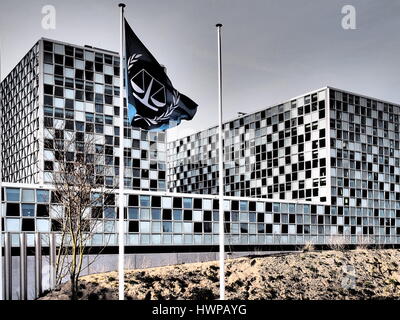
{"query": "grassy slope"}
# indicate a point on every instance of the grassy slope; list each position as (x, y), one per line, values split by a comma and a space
(359, 274)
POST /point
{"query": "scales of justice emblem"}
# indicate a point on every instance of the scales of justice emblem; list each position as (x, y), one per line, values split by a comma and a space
(151, 94)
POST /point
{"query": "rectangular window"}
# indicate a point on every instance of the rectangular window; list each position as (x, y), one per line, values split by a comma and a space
(12, 194)
(28, 210)
(12, 210)
(43, 196)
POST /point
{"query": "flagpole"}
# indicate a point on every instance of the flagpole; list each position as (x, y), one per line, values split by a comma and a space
(1, 193)
(221, 176)
(121, 253)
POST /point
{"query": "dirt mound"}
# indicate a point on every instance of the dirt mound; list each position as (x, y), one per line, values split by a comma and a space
(358, 274)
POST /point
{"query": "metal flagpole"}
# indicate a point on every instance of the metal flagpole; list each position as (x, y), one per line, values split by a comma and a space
(1, 194)
(221, 177)
(121, 253)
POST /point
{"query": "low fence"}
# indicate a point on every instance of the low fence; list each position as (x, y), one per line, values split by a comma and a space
(23, 259)
(29, 263)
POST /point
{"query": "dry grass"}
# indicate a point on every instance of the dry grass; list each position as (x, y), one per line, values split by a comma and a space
(309, 247)
(357, 274)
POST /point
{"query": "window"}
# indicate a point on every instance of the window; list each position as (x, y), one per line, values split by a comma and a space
(187, 215)
(12, 210)
(42, 225)
(156, 214)
(167, 227)
(167, 202)
(198, 227)
(28, 225)
(28, 195)
(12, 194)
(28, 210)
(42, 195)
(167, 214)
(177, 214)
(13, 225)
(133, 226)
(42, 210)
(133, 213)
(48, 58)
(187, 203)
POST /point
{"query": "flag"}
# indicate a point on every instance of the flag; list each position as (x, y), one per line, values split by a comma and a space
(153, 103)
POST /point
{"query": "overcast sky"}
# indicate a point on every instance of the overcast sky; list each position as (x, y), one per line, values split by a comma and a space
(272, 50)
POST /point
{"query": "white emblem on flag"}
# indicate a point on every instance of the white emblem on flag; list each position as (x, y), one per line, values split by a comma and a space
(148, 90)
(151, 93)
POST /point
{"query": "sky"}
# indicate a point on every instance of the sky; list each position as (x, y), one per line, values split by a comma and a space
(272, 50)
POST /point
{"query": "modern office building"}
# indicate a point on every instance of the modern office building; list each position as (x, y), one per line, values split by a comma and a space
(59, 91)
(279, 153)
(321, 164)
(329, 145)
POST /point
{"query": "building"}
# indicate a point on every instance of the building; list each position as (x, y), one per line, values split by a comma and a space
(280, 153)
(329, 145)
(322, 164)
(60, 91)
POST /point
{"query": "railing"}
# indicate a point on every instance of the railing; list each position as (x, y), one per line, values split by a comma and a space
(40, 273)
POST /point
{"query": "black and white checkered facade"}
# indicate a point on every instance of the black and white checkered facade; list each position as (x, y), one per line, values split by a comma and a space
(278, 153)
(165, 219)
(20, 120)
(330, 145)
(63, 92)
(365, 164)
(322, 164)
(154, 218)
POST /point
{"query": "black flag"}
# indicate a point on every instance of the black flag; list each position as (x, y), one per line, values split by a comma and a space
(153, 103)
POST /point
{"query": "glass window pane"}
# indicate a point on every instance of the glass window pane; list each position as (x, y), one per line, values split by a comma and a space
(144, 227)
(197, 215)
(207, 204)
(144, 201)
(42, 195)
(28, 210)
(187, 203)
(156, 227)
(109, 213)
(177, 215)
(109, 226)
(188, 227)
(12, 194)
(145, 239)
(42, 225)
(178, 239)
(97, 240)
(12, 210)
(177, 227)
(167, 202)
(156, 239)
(145, 214)
(133, 213)
(28, 195)
(13, 225)
(167, 226)
(156, 214)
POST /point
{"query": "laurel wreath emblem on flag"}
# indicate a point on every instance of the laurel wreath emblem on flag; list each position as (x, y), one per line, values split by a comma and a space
(168, 110)
(153, 102)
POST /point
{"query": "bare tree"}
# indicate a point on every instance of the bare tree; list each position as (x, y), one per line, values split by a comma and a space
(338, 242)
(364, 241)
(78, 178)
(308, 247)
